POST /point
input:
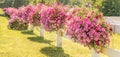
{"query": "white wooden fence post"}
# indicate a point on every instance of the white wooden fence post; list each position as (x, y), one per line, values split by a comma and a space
(111, 52)
(41, 31)
(94, 54)
(59, 38)
(31, 27)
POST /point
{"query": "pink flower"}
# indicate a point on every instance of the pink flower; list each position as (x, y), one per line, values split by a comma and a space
(89, 16)
(96, 39)
(103, 29)
(88, 40)
(53, 18)
(95, 19)
(89, 30)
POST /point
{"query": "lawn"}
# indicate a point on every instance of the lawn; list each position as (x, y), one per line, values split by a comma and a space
(15, 43)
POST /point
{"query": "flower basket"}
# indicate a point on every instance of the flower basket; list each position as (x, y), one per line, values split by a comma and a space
(90, 30)
(17, 25)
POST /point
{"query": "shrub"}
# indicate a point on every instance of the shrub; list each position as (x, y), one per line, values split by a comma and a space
(111, 7)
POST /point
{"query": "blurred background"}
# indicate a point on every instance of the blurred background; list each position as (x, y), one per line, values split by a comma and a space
(108, 7)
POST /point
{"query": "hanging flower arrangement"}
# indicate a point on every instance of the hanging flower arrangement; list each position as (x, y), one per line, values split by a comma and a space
(90, 30)
(53, 18)
(17, 21)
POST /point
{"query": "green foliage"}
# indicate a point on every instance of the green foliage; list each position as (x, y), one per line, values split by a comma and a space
(108, 7)
(75, 2)
(6, 3)
(63, 1)
(111, 7)
(42, 1)
(18, 25)
(97, 3)
(34, 1)
(18, 3)
(13, 3)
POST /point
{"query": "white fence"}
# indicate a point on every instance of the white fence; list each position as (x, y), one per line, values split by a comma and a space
(107, 51)
(114, 21)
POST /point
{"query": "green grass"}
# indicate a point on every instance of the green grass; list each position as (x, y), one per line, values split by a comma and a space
(1, 11)
(15, 43)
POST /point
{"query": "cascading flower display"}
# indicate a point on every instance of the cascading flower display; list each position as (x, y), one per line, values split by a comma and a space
(21, 14)
(32, 14)
(19, 18)
(10, 11)
(53, 18)
(16, 21)
(84, 26)
(91, 30)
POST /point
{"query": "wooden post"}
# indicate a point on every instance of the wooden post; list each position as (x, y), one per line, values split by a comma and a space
(94, 54)
(31, 27)
(59, 38)
(111, 52)
(41, 31)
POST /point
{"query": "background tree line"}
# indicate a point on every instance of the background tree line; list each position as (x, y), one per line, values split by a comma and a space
(108, 7)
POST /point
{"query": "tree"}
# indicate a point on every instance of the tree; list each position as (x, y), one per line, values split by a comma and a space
(18, 3)
(111, 7)
(63, 1)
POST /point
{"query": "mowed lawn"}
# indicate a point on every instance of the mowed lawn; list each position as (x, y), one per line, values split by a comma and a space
(15, 43)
